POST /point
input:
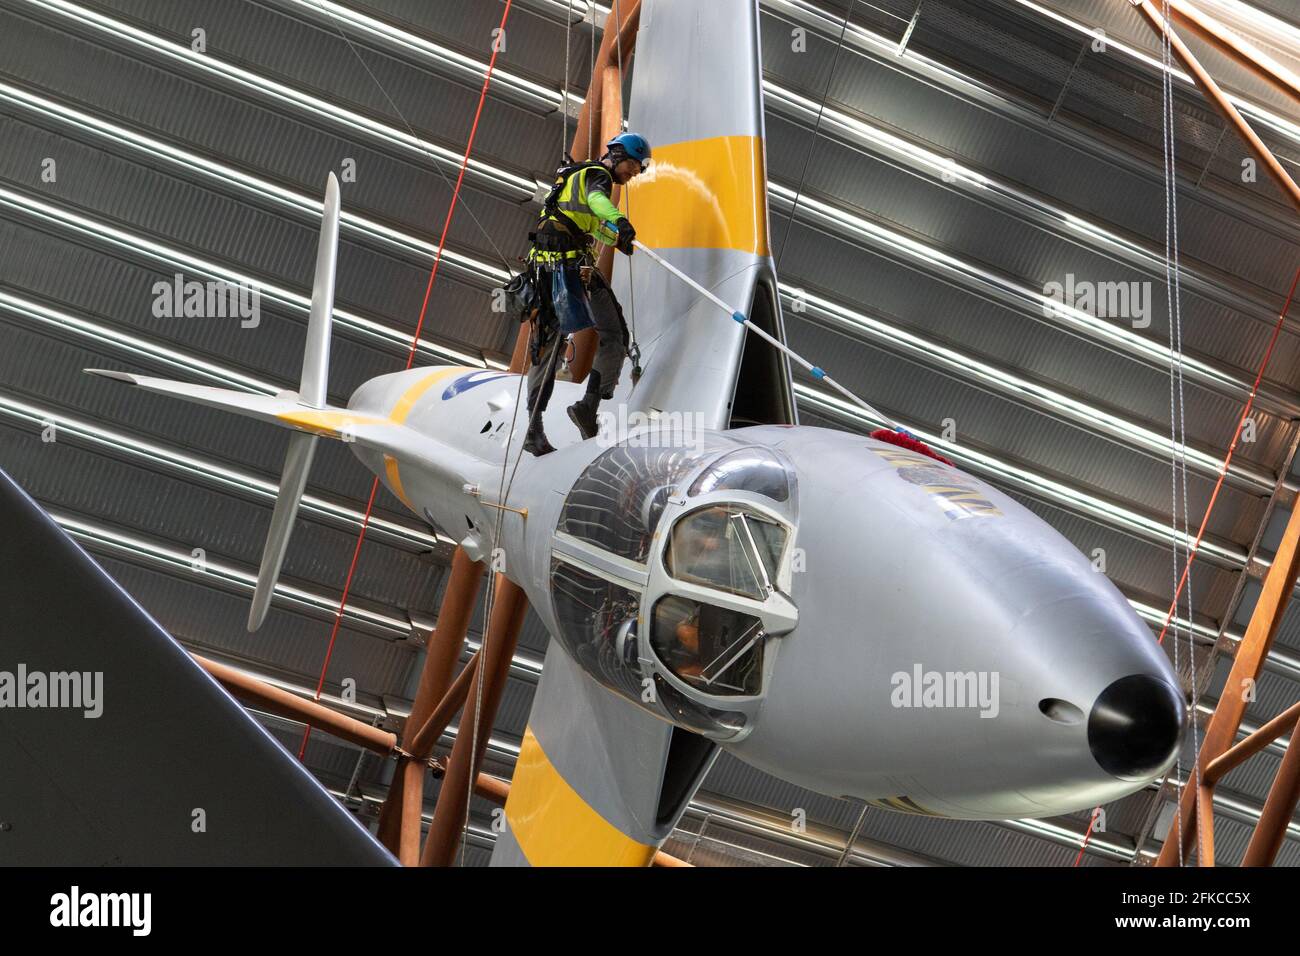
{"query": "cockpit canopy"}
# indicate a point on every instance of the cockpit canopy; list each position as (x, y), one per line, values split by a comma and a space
(671, 572)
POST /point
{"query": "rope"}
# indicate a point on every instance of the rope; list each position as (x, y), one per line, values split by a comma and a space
(364, 65)
(634, 350)
(564, 87)
(1178, 429)
(410, 358)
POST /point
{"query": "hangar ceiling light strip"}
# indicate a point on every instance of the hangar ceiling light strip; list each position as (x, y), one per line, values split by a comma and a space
(161, 556)
(1279, 124)
(226, 176)
(864, 327)
(984, 96)
(108, 540)
(1039, 210)
(122, 341)
(885, 45)
(471, 68)
(171, 257)
(331, 114)
(1013, 386)
(1029, 300)
(207, 471)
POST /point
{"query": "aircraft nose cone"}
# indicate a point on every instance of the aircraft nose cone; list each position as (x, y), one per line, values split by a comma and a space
(1134, 726)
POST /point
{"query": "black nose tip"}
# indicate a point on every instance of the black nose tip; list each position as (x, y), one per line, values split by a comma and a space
(1134, 726)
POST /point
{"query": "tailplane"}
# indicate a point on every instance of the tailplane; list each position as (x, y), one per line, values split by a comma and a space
(306, 410)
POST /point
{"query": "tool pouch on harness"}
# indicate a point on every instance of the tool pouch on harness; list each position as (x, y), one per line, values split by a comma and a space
(521, 294)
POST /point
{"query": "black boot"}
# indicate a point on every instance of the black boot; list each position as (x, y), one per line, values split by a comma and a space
(535, 442)
(583, 413)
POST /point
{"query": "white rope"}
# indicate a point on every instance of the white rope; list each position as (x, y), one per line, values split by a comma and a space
(564, 87)
(634, 350)
(1177, 411)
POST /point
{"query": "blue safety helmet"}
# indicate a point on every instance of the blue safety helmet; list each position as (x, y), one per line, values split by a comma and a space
(631, 146)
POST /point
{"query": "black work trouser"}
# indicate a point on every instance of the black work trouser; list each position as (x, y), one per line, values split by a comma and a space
(547, 345)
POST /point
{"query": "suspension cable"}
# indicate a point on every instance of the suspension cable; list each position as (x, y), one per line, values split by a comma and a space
(411, 130)
(564, 86)
(410, 358)
(1177, 419)
(634, 350)
(1214, 496)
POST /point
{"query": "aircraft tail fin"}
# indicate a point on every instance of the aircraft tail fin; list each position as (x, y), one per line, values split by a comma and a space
(316, 356)
(306, 411)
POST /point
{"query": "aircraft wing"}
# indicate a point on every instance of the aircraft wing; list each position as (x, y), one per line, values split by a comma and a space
(697, 96)
(599, 781)
(159, 766)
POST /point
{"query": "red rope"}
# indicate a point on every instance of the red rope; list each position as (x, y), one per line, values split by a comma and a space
(410, 359)
(1205, 519)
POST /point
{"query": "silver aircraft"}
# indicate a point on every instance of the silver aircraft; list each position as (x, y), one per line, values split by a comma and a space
(850, 615)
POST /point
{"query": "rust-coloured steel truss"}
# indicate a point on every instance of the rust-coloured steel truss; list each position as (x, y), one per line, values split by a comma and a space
(1193, 825)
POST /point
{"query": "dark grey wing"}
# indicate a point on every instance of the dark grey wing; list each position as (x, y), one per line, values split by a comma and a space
(169, 747)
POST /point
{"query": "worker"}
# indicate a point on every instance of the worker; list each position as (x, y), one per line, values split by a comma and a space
(577, 213)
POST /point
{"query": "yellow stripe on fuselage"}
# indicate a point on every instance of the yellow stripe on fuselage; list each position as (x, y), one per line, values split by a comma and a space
(703, 194)
(395, 480)
(412, 395)
(554, 826)
(399, 414)
(331, 422)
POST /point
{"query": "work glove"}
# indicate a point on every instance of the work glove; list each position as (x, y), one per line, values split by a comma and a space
(625, 236)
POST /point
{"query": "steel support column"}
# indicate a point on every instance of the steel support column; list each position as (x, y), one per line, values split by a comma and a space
(1235, 48)
(399, 818)
(259, 694)
(1221, 732)
(1220, 101)
(1278, 808)
(508, 608)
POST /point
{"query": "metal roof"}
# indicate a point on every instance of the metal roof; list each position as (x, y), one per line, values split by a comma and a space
(948, 185)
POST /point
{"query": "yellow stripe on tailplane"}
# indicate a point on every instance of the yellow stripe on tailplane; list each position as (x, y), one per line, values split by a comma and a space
(703, 194)
(331, 424)
(554, 826)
